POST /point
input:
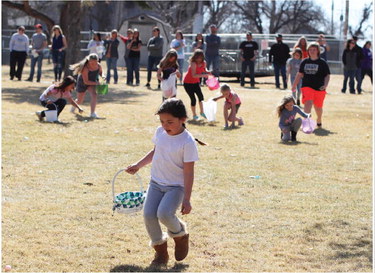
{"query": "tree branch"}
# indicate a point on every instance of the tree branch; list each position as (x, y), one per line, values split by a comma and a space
(26, 8)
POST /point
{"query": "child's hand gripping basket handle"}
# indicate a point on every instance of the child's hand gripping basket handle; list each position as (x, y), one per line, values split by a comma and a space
(128, 197)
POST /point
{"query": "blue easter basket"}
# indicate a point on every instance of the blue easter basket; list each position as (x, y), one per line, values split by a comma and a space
(130, 201)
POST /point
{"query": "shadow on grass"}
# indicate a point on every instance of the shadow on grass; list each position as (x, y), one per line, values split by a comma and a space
(201, 122)
(61, 123)
(295, 143)
(178, 267)
(80, 117)
(31, 95)
(323, 132)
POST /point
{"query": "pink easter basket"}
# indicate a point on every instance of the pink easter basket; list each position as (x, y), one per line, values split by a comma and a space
(308, 125)
(213, 83)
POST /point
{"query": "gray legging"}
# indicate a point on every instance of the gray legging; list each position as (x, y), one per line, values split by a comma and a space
(296, 124)
(160, 206)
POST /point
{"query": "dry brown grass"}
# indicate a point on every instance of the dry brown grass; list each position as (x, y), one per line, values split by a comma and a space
(311, 210)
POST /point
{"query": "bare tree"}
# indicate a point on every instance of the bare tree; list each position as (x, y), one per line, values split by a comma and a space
(251, 14)
(218, 12)
(281, 16)
(178, 14)
(360, 29)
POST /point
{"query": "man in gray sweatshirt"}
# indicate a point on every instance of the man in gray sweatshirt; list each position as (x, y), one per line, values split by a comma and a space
(155, 53)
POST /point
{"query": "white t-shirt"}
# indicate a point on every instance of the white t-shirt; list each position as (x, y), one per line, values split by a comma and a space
(170, 154)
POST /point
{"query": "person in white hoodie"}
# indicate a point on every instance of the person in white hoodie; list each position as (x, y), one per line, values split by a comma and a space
(18, 46)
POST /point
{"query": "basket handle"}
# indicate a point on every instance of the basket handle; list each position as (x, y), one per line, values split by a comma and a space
(114, 179)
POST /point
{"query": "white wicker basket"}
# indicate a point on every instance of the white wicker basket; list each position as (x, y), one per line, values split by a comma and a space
(129, 201)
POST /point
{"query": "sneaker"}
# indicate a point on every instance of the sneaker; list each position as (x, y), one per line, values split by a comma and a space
(226, 127)
(72, 110)
(29, 80)
(147, 85)
(196, 117)
(137, 84)
(240, 122)
(94, 115)
(203, 115)
(39, 115)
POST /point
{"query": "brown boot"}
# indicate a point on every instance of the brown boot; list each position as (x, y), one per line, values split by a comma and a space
(182, 247)
(161, 255)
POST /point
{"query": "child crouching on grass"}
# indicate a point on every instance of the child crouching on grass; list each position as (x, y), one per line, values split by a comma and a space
(232, 104)
(288, 124)
(54, 97)
(172, 176)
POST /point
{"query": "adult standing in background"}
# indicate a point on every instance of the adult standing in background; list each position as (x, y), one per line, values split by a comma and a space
(278, 55)
(178, 44)
(199, 43)
(127, 39)
(155, 53)
(248, 55)
(366, 65)
(134, 47)
(59, 45)
(213, 43)
(39, 43)
(96, 45)
(111, 44)
(324, 47)
(18, 46)
(351, 65)
(358, 75)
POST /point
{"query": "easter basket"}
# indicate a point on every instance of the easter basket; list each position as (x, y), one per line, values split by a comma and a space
(130, 201)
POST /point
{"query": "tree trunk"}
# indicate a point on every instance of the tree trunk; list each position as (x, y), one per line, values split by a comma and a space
(70, 22)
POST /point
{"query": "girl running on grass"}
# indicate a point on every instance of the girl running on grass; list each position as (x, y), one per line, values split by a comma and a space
(287, 111)
(167, 66)
(54, 96)
(172, 176)
(232, 104)
(196, 71)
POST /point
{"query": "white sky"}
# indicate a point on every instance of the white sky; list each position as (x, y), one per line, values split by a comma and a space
(355, 12)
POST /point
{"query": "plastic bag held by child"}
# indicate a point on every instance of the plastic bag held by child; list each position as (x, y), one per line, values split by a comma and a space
(168, 86)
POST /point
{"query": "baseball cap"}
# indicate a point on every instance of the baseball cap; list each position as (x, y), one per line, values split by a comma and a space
(38, 26)
(249, 33)
(278, 35)
(213, 25)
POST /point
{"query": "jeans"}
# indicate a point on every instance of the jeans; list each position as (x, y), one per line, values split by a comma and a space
(17, 58)
(349, 74)
(133, 68)
(297, 94)
(112, 64)
(58, 59)
(152, 62)
(160, 206)
(296, 124)
(251, 65)
(60, 104)
(215, 61)
(35, 60)
(181, 67)
(280, 68)
(358, 78)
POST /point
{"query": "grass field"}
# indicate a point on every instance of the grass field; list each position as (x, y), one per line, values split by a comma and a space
(310, 211)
